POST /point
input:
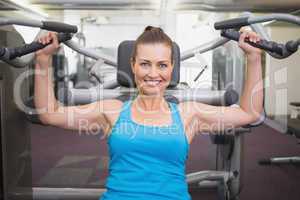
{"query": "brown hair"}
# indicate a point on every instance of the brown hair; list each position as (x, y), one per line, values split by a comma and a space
(152, 35)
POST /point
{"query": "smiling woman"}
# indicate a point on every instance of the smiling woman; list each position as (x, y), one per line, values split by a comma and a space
(142, 133)
(152, 61)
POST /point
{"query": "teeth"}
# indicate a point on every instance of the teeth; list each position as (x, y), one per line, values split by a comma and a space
(152, 82)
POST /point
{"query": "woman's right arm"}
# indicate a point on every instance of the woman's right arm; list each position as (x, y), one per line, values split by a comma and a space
(90, 117)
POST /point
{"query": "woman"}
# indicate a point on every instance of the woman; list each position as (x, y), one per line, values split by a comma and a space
(149, 137)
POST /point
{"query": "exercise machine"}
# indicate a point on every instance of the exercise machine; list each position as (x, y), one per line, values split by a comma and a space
(278, 51)
(15, 131)
(226, 178)
(107, 89)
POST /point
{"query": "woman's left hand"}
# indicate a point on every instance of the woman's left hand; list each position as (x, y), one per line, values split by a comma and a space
(247, 48)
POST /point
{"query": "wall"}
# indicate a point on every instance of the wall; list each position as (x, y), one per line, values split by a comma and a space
(282, 76)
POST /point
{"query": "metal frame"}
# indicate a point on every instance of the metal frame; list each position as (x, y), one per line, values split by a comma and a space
(278, 17)
(85, 96)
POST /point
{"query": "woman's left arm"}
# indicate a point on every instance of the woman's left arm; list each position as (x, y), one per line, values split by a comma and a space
(205, 117)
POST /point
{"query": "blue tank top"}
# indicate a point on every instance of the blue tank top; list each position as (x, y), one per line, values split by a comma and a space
(147, 162)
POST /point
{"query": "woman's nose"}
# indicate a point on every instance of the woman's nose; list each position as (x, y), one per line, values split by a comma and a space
(153, 71)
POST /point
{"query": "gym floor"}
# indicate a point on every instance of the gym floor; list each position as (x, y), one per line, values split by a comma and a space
(62, 158)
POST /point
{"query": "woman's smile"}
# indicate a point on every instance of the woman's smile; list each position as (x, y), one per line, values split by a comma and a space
(153, 68)
(153, 82)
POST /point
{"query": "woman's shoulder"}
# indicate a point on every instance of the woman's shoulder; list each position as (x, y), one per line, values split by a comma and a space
(111, 107)
(184, 105)
(186, 109)
(112, 104)
(112, 111)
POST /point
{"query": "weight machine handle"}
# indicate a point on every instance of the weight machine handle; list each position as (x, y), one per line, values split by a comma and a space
(232, 23)
(270, 46)
(58, 27)
(12, 53)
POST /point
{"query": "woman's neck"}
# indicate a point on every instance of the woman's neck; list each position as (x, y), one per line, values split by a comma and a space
(145, 103)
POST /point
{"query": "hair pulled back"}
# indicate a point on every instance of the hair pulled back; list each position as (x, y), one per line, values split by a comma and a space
(153, 35)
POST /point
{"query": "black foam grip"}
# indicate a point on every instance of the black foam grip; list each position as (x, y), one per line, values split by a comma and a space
(35, 46)
(262, 44)
(59, 27)
(232, 23)
(292, 46)
(62, 37)
(26, 49)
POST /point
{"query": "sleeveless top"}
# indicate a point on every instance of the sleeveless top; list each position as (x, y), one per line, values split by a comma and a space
(147, 162)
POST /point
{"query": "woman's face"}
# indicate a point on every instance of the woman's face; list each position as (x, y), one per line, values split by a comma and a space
(152, 68)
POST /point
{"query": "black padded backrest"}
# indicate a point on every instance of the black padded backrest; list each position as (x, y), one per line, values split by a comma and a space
(125, 76)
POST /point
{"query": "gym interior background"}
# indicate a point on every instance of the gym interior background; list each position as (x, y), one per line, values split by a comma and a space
(43, 162)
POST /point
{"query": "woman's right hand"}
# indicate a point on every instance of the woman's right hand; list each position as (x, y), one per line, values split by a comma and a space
(46, 53)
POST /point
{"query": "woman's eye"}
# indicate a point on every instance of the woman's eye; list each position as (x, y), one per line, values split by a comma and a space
(144, 64)
(163, 65)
